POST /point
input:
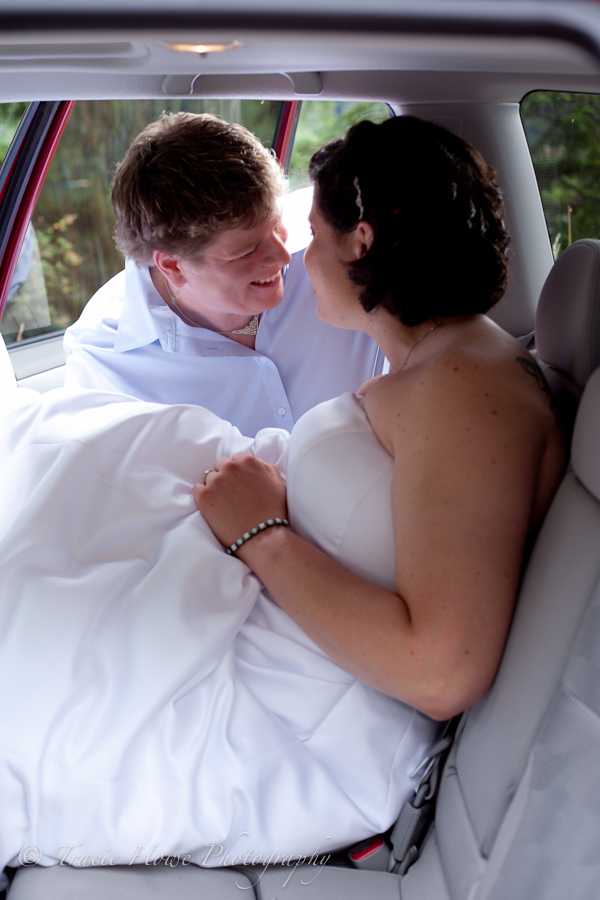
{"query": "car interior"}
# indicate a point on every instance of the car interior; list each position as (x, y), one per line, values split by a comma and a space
(518, 809)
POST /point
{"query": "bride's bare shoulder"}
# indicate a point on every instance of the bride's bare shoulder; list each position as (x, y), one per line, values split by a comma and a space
(465, 387)
(367, 385)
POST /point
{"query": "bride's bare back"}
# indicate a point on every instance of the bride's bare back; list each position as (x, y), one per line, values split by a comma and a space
(478, 456)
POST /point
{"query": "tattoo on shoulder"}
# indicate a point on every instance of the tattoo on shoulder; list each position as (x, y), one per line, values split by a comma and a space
(532, 368)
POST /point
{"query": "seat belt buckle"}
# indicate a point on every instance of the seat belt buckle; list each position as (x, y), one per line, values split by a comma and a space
(408, 833)
(372, 854)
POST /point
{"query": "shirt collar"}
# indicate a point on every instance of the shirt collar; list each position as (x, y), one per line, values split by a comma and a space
(137, 327)
(146, 318)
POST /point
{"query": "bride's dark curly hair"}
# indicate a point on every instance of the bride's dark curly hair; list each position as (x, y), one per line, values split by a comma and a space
(436, 210)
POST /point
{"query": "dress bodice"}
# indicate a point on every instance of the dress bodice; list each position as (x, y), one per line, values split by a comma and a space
(339, 488)
(339, 498)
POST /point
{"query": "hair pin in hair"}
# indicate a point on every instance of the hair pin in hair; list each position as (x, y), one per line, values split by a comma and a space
(358, 201)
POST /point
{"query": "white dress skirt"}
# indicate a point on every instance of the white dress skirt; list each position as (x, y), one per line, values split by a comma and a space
(154, 699)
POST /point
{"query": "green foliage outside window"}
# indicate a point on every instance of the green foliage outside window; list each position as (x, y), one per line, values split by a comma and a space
(59, 259)
(10, 116)
(321, 121)
(563, 132)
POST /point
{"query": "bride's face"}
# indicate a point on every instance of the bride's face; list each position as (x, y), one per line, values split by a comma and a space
(326, 260)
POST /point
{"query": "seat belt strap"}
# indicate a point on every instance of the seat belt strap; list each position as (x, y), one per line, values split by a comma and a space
(417, 813)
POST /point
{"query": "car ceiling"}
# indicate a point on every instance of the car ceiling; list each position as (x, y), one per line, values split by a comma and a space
(431, 50)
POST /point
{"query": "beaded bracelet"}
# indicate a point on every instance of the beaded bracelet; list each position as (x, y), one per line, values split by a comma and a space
(254, 531)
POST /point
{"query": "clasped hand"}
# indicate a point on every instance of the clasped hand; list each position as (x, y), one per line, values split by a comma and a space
(239, 493)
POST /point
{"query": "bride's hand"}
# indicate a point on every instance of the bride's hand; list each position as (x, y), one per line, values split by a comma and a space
(238, 494)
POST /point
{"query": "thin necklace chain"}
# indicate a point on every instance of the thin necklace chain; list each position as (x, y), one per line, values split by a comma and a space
(416, 344)
(176, 304)
(251, 328)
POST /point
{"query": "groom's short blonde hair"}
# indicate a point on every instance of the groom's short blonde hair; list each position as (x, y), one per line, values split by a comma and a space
(185, 179)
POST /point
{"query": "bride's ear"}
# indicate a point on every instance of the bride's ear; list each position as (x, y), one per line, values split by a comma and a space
(363, 239)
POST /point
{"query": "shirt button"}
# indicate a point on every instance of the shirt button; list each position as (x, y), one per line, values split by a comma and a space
(281, 411)
(263, 359)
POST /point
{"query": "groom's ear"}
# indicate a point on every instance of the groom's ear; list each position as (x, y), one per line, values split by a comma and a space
(363, 239)
(169, 266)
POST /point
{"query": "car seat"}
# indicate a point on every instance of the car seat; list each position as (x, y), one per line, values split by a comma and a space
(517, 814)
(566, 328)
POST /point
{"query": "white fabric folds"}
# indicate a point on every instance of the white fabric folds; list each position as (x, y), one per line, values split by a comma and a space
(153, 701)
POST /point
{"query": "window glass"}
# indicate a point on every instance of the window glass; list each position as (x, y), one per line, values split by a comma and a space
(321, 121)
(563, 133)
(27, 310)
(10, 116)
(69, 250)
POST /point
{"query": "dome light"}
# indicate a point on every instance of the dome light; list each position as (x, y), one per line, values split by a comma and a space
(202, 49)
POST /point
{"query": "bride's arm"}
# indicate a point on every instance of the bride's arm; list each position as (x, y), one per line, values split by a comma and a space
(464, 487)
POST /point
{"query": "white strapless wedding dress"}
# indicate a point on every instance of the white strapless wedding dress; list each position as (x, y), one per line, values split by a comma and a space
(153, 700)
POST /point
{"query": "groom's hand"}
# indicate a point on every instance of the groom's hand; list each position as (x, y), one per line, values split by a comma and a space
(238, 494)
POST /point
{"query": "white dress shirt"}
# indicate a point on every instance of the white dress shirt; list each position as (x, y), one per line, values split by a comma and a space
(128, 340)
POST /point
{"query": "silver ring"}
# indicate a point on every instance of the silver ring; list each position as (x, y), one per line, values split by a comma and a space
(205, 474)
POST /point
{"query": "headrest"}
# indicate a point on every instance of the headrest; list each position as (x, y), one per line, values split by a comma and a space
(567, 326)
(8, 381)
(585, 449)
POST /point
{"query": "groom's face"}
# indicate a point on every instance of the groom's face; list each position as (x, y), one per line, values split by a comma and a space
(241, 271)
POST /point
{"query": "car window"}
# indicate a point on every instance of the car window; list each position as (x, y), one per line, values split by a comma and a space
(68, 252)
(563, 133)
(10, 116)
(321, 121)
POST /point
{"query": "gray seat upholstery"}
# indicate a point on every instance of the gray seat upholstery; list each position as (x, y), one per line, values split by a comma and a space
(567, 325)
(517, 815)
(126, 882)
(193, 883)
